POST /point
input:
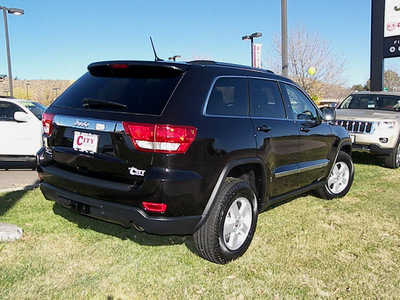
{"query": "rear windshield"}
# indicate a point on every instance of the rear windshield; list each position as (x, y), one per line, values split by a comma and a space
(141, 95)
(362, 101)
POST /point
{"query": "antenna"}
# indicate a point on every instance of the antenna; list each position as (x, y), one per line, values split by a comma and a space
(156, 58)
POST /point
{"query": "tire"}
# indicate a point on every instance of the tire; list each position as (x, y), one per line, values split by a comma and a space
(340, 179)
(229, 229)
(393, 160)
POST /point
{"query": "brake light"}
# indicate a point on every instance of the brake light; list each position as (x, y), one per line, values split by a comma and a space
(160, 138)
(155, 207)
(118, 66)
(47, 120)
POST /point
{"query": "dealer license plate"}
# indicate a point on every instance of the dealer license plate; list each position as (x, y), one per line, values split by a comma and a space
(85, 142)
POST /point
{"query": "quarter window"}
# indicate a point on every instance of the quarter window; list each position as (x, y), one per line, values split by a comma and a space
(265, 99)
(228, 97)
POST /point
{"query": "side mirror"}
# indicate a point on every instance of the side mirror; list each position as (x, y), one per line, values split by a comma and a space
(20, 116)
(329, 114)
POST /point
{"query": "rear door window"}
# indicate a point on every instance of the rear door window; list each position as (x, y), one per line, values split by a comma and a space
(266, 100)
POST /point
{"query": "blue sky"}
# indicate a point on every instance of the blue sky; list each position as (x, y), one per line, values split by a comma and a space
(57, 39)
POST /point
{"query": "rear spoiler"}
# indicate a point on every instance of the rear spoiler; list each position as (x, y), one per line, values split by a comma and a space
(137, 69)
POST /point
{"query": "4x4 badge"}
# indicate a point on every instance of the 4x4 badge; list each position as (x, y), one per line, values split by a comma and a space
(135, 172)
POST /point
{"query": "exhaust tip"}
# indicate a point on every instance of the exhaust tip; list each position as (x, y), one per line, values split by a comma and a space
(138, 228)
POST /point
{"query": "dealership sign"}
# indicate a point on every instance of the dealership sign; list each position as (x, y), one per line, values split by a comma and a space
(392, 18)
(392, 29)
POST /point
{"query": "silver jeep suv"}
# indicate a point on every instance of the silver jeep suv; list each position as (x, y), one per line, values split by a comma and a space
(373, 121)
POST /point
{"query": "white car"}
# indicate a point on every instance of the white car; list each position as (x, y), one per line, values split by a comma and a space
(373, 121)
(20, 129)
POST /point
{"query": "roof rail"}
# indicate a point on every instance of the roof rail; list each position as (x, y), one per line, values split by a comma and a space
(217, 63)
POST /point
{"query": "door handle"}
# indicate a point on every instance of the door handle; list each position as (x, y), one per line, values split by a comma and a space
(304, 129)
(264, 128)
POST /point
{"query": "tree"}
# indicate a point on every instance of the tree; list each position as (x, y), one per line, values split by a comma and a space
(305, 50)
(391, 81)
(358, 87)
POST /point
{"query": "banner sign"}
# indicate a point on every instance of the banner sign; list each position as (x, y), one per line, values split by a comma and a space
(257, 55)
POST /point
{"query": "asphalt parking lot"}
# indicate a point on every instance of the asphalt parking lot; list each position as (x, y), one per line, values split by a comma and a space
(17, 176)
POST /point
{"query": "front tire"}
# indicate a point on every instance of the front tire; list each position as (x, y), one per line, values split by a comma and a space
(393, 160)
(229, 229)
(340, 179)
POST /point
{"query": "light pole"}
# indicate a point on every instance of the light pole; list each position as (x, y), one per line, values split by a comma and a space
(285, 64)
(17, 12)
(251, 38)
(56, 90)
(174, 58)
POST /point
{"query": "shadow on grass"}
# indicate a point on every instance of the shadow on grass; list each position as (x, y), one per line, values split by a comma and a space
(364, 158)
(8, 200)
(142, 238)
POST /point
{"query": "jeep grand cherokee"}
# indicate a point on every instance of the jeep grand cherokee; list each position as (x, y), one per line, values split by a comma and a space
(373, 120)
(189, 148)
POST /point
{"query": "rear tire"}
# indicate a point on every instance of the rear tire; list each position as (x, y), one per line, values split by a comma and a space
(340, 179)
(393, 160)
(229, 229)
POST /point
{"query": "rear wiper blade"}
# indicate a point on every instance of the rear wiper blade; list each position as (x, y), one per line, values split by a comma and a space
(91, 102)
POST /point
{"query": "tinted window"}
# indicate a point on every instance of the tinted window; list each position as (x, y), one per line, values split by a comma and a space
(229, 97)
(147, 95)
(36, 108)
(265, 99)
(302, 107)
(7, 111)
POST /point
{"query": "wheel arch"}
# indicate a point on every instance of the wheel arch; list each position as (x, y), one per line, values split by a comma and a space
(345, 147)
(251, 170)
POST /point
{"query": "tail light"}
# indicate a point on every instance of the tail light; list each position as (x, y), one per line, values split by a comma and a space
(47, 120)
(160, 138)
(155, 207)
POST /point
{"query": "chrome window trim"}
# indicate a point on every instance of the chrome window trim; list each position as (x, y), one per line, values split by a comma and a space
(240, 117)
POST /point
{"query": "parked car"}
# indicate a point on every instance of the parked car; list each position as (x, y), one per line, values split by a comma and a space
(20, 129)
(189, 148)
(373, 120)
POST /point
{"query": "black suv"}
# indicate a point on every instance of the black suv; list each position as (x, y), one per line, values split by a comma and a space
(189, 148)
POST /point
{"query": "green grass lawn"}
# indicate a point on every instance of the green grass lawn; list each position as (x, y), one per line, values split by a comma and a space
(307, 248)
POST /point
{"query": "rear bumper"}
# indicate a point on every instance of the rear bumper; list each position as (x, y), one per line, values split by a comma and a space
(124, 215)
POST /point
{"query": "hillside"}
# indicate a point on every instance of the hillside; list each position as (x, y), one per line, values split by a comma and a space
(43, 91)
